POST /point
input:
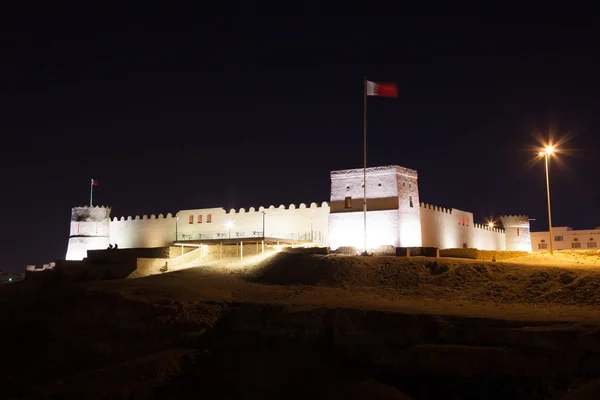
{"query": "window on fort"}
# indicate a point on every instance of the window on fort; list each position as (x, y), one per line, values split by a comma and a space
(558, 238)
(379, 184)
(575, 240)
(191, 219)
(200, 218)
(409, 185)
(348, 202)
(542, 246)
(410, 201)
(208, 218)
(403, 184)
(591, 245)
(96, 228)
(543, 241)
(78, 229)
(459, 220)
(575, 245)
(467, 221)
(518, 232)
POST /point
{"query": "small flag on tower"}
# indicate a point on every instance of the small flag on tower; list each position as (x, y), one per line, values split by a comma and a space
(94, 182)
(382, 89)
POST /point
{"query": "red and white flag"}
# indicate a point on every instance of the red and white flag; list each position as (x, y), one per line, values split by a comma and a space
(94, 182)
(382, 89)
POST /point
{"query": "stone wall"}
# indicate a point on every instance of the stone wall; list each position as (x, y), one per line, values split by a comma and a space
(390, 189)
(449, 228)
(347, 229)
(89, 229)
(294, 222)
(517, 232)
(487, 255)
(143, 231)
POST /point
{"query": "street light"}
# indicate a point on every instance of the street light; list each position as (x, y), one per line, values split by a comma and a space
(229, 224)
(546, 153)
(491, 224)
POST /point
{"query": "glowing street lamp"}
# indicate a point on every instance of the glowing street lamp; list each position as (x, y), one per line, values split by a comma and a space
(546, 153)
(229, 224)
(491, 224)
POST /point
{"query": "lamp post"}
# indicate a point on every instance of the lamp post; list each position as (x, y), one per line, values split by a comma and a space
(229, 224)
(546, 153)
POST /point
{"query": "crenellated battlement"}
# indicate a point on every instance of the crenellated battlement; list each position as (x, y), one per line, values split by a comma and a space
(143, 217)
(436, 208)
(90, 213)
(487, 228)
(292, 206)
(515, 221)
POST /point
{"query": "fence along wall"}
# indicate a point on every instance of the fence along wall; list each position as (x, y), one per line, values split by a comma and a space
(299, 223)
(448, 228)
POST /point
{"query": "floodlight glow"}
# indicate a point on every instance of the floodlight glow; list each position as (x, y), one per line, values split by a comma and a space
(229, 224)
(491, 224)
(549, 149)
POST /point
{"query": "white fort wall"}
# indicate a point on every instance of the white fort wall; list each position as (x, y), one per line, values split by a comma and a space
(347, 229)
(392, 208)
(144, 231)
(89, 230)
(294, 222)
(447, 228)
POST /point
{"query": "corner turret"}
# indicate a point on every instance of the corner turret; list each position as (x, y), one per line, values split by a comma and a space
(90, 230)
(517, 231)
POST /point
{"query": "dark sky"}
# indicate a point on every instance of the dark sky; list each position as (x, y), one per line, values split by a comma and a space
(187, 108)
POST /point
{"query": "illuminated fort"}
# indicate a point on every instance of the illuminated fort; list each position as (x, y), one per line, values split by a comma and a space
(395, 217)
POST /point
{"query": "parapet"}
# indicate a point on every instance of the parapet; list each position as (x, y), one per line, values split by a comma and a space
(486, 227)
(375, 170)
(436, 208)
(292, 206)
(90, 213)
(515, 221)
(143, 217)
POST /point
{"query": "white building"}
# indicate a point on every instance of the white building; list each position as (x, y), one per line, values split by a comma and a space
(394, 217)
(566, 238)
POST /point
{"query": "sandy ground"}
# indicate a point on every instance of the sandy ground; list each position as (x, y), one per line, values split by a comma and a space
(230, 325)
(247, 282)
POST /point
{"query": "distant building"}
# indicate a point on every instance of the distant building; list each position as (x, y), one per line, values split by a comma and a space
(395, 217)
(566, 238)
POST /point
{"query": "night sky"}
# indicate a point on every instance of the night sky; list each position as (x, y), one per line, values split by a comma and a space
(174, 109)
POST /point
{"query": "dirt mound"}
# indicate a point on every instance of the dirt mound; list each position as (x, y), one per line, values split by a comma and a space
(337, 271)
(435, 278)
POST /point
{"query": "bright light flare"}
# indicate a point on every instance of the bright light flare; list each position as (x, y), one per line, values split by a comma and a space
(547, 151)
(491, 224)
(229, 224)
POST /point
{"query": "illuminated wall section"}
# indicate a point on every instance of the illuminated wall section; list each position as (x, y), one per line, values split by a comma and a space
(144, 231)
(409, 218)
(302, 222)
(450, 228)
(89, 230)
(393, 216)
(518, 235)
(346, 229)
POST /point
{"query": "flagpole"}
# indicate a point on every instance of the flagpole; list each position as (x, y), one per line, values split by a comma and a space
(91, 190)
(365, 163)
